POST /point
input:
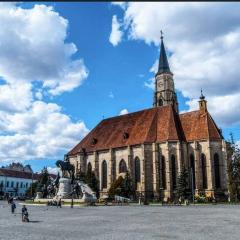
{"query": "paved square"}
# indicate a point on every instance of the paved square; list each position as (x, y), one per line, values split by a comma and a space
(219, 222)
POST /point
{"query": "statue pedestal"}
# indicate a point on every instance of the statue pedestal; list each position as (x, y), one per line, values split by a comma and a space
(65, 188)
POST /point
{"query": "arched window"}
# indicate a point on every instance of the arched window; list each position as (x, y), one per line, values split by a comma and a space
(204, 171)
(122, 166)
(162, 173)
(192, 171)
(174, 175)
(216, 170)
(160, 102)
(104, 174)
(89, 169)
(137, 170)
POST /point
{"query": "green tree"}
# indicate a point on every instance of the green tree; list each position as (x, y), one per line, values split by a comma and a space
(122, 187)
(116, 187)
(182, 184)
(234, 170)
(32, 190)
(43, 182)
(92, 182)
(128, 189)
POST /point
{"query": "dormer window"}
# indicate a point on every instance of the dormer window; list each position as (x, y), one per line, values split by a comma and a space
(94, 141)
(125, 135)
(83, 150)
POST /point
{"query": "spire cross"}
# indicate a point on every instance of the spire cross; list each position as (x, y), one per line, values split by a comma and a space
(161, 32)
(202, 96)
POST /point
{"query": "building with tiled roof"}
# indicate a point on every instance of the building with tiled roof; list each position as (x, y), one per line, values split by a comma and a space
(15, 179)
(155, 145)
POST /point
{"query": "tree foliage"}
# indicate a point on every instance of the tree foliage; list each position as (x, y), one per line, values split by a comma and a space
(116, 187)
(234, 171)
(182, 184)
(32, 190)
(41, 184)
(122, 187)
(92, 182)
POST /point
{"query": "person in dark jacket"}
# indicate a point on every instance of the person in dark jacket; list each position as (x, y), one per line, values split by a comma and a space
(13, 206)
(24, 209)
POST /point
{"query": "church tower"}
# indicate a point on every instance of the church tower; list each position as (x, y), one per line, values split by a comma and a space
(164, 85)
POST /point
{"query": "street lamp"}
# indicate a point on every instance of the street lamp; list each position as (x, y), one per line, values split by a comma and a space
(32, 186)
(192, 183)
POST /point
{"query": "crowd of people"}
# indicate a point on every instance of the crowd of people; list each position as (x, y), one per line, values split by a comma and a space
(57, 203)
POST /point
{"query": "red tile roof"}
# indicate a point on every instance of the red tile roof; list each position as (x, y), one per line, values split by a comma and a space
(18, 174)
(198, 125)
(21, 174)
(147, 126)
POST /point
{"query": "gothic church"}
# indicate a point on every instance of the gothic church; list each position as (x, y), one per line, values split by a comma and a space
(154, 145)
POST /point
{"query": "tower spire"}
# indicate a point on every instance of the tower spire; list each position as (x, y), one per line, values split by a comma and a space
(164, 85)
(163, 66)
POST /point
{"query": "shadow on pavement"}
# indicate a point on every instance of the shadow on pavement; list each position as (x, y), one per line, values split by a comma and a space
(35, 221)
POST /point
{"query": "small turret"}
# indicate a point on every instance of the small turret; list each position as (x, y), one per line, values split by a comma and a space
(202, 103)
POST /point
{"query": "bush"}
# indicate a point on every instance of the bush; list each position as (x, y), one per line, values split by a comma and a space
(200, 198)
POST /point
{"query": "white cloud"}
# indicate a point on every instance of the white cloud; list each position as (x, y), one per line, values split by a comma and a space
(53, 170)
(123, 111)
(150, 83)
(116, 34)
(202, 55)
(224, 108)
(35, 60)
(39, 95)
(42, 131)
(33, 47)
(15, 97)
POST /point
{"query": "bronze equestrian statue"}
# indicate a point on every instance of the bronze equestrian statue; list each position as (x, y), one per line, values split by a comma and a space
(66, 166)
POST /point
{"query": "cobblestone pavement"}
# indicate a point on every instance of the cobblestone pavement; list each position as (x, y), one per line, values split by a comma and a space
(219, 222)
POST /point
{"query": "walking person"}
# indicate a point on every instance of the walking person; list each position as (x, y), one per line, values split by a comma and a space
(24, 209)
(13, 206)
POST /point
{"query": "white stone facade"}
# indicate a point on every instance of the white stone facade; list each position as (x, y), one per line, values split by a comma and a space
(15, 186)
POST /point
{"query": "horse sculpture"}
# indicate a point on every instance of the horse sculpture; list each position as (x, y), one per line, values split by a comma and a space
(66, 166)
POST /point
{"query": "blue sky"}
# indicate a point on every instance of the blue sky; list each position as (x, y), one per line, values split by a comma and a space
(116, 75)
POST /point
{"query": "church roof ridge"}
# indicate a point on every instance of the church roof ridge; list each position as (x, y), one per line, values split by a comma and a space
(128, 114)
(190, 112)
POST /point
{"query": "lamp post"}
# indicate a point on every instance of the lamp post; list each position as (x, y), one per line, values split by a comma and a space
(192, 183)
(32, 186)
(73, 192)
